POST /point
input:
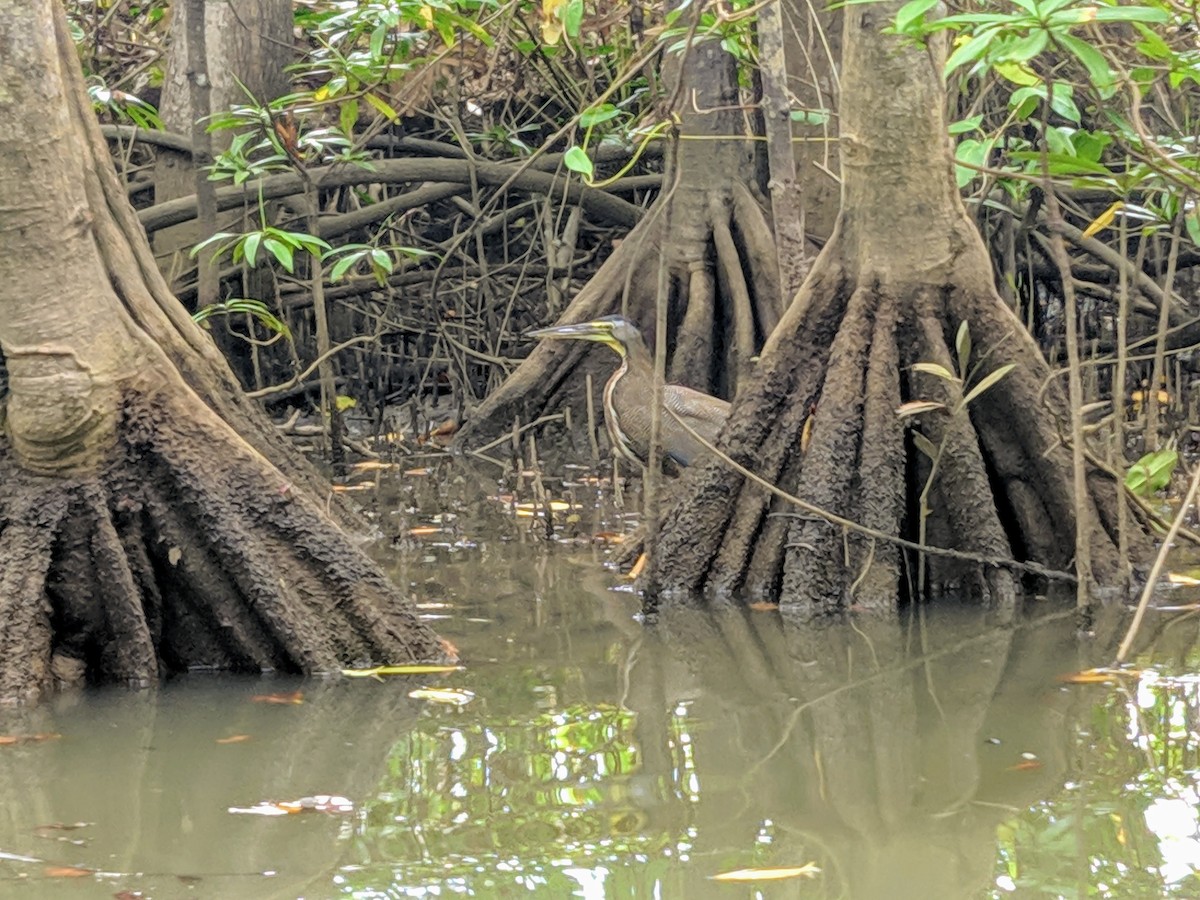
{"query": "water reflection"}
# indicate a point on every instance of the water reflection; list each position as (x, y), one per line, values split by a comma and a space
(934, 756)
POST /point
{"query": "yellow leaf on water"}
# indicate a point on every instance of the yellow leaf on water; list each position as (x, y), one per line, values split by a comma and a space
(809, 870)
(1182, 579)
(1098, 676)
(399, 670)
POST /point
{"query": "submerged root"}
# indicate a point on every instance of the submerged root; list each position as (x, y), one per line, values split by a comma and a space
(189, 551)
(987, 483)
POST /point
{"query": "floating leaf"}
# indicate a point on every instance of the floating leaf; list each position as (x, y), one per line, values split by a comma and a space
(234, 739)
(9, 740)
(1025, 765)
(1098, 676)
(424, 531)
(416, 472)
(67, 872)
(808, 870)
(326, 803)
(1182, 579)
(451, 696)
(399, 670)
(763, 606)
(293, 697)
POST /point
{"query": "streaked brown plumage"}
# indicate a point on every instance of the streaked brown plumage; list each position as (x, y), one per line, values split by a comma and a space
(629, 392)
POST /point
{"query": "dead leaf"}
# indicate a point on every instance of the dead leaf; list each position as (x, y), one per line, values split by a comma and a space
(67, 872)
(806, 434)
(608, 537)
(345, 488)
(9, 740)
(1025, 765)
(448, 648)
(808, 870)
(764, 606)
(373, 465)
(1183, 580)
(1098, 676)
(293, 697)
(424, 530)
(233, 739)
(637, 569)
(327, 803)
(414, 472)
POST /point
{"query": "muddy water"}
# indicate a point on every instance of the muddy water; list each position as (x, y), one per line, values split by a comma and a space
(935, 756)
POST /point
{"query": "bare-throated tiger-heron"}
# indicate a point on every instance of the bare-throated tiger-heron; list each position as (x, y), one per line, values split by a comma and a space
(629, 393)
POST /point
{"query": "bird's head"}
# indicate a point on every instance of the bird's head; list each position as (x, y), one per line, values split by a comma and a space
(615, 331)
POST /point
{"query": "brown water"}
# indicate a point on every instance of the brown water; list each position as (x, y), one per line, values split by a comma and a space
(934, 756)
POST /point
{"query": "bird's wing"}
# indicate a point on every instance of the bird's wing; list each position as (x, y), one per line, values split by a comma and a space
(702, 412)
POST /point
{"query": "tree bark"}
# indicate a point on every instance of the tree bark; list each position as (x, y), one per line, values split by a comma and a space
(714, 236)
(903, 270)
(140, 532)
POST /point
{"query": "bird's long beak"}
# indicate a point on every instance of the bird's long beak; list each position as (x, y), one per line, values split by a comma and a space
(583, 331)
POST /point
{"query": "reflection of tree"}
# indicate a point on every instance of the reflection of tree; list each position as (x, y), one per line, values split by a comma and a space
(158, 805)
(1133, 765)
(858, 746)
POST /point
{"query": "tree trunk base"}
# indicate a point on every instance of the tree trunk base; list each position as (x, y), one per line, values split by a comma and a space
(189, 550)
(820, 420)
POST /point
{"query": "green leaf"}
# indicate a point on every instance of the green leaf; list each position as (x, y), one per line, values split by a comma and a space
(1093, 60)
(964, 125)
(382, 260)
(281, 252)
(250, 247)
(343, 265)
(1152, 472)
(344, 403)
(913, 14)
(1017, 73)
(1026, 48)
(934, 369)
(973, 152)
(1143, 14)
(987, 382)
(577, 160)
(971, 51)
(1062, 102)
(962, 345)
(597, 114)
(572, 17)
(811, 116)
(382, 107)
(348, 116)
